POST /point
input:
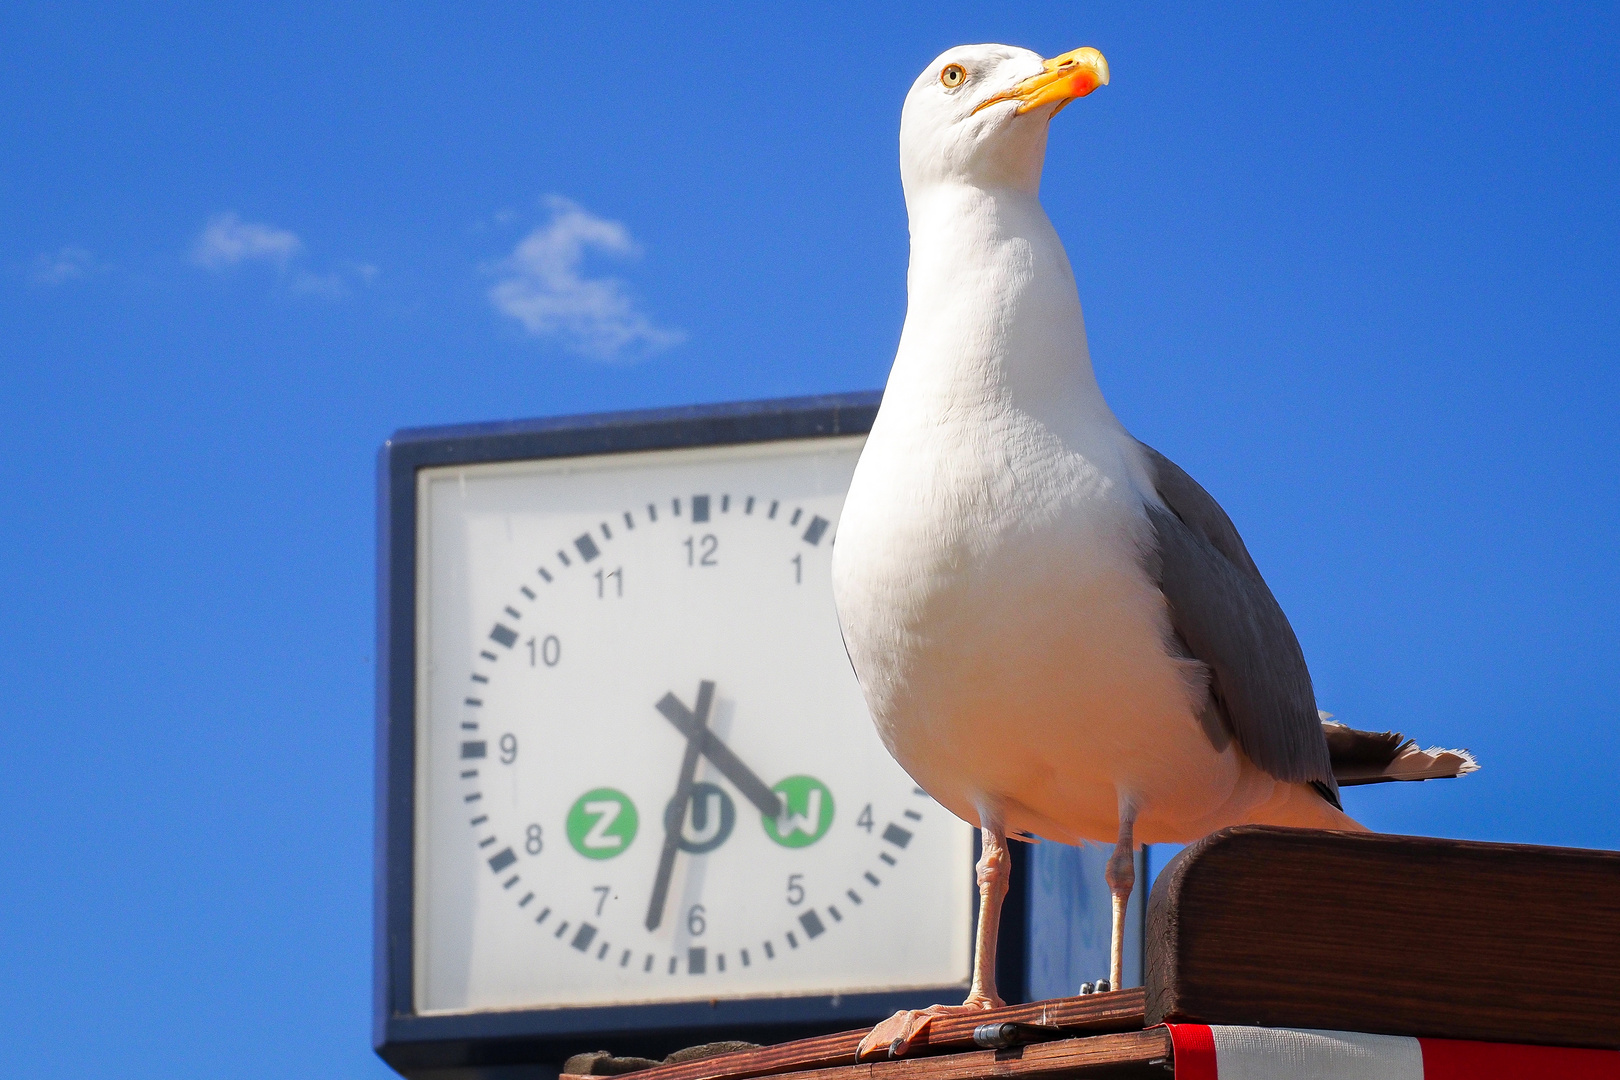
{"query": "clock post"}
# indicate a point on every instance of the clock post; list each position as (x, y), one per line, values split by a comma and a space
(1057, 921)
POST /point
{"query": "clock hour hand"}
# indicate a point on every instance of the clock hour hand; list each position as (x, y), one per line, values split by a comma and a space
(697, 732)
(675, 812)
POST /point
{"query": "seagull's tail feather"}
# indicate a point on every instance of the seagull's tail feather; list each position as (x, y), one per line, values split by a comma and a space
(1301, 806)
(1380, 757)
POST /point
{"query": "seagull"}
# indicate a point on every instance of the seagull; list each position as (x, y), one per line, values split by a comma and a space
(1058, 632)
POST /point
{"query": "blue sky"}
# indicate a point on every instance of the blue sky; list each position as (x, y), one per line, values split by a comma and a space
(1354, 266)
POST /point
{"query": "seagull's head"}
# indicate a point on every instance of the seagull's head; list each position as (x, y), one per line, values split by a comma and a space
(978, 114)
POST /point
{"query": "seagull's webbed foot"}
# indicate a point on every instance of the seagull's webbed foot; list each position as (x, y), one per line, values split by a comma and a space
(894, 1036)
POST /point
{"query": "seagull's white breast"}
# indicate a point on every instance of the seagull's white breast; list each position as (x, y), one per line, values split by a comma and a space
(988, 567)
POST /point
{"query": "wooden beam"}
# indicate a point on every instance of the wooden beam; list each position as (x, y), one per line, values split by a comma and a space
(1150, 1050)
(1094, 1013)
(1394, 935)
(1122, 1054)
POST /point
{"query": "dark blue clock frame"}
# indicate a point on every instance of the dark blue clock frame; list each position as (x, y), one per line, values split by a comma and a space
(1050, 933)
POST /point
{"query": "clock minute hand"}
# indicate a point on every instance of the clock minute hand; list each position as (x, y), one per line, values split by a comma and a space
(675, 812)
(698, 733)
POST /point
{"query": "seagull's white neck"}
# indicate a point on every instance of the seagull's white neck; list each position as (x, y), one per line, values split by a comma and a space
(993, 319)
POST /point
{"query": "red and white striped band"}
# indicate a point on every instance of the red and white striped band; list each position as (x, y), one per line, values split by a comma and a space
(1205, 1052)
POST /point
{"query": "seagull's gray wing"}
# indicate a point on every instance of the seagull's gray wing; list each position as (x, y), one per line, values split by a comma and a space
(1223, 612)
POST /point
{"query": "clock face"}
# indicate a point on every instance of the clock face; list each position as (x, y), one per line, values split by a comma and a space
(644, 768)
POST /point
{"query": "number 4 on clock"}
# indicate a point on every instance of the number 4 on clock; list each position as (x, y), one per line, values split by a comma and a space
(865, 820)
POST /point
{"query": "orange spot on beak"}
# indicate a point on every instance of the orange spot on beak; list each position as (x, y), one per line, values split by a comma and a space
(1062, 79)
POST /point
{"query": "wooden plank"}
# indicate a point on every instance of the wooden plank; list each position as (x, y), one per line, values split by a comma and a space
(1388, 934)
(1127, 1053)
(1095, 1013)
(1087, 1056)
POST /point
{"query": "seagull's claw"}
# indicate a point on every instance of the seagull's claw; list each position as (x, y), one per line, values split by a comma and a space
(894, 1036)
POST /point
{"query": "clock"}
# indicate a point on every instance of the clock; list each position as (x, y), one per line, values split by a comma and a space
(629, 794)
(644, 792)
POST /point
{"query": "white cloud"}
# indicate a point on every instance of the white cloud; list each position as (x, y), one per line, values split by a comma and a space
(541, 286)
(62, 266)
(228, 240)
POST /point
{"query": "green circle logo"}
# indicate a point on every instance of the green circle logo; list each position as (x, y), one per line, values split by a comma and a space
(601, 823)
(807, 812)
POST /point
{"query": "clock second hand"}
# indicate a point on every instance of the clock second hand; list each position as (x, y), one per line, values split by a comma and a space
(675, 813)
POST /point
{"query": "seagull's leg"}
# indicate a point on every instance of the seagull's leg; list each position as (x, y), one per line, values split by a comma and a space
(896, 1034)
(994, 873)
(1121, 875)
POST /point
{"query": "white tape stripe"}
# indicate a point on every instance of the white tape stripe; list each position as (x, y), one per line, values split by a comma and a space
(1252, 1053)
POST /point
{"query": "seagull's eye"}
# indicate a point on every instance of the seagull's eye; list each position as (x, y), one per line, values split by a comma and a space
(952, 76)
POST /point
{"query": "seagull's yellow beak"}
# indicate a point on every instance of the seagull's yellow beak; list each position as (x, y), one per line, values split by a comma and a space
(1062, 79)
